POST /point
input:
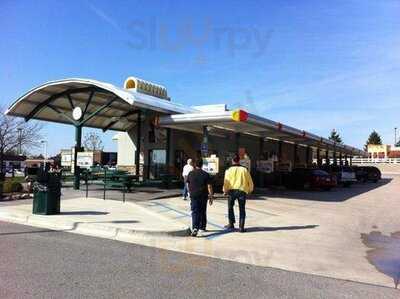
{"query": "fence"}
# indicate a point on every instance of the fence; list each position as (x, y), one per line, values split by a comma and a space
(359, 160)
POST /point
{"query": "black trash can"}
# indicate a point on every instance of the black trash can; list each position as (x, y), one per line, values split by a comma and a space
(46, 194)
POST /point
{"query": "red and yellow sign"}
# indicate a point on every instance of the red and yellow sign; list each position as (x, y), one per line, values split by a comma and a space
(239, 115)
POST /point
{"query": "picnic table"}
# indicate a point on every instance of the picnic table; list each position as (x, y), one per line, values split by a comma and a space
(113, 180)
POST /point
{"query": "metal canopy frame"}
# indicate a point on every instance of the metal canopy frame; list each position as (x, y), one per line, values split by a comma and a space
(104, 106)
(62, 103)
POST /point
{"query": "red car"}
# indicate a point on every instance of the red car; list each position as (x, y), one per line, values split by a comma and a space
(307, 178)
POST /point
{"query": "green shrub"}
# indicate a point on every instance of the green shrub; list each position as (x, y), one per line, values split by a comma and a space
(12, 186)
(7, 186)
(16, 187)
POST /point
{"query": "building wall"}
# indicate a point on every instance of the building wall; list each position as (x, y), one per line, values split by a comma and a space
(378, 151)
(188, 144)
(126, 149)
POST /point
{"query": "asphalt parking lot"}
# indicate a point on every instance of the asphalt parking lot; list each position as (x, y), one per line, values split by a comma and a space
(40, 263)
(335, 233)
(346, 233)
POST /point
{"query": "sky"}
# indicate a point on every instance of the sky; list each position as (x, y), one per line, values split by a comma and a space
(314, 65)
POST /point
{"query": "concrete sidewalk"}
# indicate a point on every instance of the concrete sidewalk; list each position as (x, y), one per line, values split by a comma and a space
(321, 233)
(109, 219)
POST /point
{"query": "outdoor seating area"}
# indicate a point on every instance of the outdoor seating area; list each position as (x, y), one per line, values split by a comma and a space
(112, 182)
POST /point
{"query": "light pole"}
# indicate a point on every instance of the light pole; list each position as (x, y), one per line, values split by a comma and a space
(45, 153)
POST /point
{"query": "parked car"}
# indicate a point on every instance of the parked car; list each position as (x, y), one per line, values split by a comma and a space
(361, 173)
(345, 175)
(373, 173)
(307, 178)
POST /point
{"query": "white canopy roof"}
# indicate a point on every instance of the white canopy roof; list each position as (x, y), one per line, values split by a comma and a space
(55, 100)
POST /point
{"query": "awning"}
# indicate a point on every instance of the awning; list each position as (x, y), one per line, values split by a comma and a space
(103, 105)
(242, 122)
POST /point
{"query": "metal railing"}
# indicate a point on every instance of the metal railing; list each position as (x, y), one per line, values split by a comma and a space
(359, 160)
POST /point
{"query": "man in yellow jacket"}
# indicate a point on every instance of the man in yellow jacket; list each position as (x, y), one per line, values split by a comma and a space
(237, 184)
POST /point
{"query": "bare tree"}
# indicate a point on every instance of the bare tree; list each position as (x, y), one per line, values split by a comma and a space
(17, 134)
(92, 142)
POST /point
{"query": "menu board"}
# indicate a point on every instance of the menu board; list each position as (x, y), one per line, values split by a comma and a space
(211, 164)
(285, 166)
(265, 166)
(84, 159)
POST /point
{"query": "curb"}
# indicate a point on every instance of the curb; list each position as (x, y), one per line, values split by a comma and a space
(90, 229)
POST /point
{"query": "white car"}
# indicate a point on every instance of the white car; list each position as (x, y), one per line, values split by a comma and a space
(346, 176)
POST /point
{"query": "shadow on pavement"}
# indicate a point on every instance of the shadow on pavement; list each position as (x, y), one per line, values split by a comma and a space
(84, 213)
(338, 194)
(258, 229)
(275, 228)
(136, 194)
(118, 221)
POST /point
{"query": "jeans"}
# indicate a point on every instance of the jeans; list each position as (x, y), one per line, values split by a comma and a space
(198, 205)
(241, 198)
(185, 191)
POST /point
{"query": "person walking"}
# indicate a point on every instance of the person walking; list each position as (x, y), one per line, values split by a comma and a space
(200, 189)
(237, 184)
(186, 170)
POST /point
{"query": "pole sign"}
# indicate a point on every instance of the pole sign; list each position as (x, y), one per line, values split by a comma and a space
(85, 159)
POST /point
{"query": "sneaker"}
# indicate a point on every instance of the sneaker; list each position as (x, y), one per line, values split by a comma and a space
(229, 226)
(242, 229)
(194, 232)
(184, 198)
(202, 232)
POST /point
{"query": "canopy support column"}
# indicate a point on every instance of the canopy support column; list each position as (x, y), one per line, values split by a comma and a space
(295, 155)
(327, 162)
(237, 142)
(319, 157)
(204, 149)
(261, 148)
(138, 140)
(168, 150)
(340, 159)
(308, 150)
(78, 148)
(259, 174)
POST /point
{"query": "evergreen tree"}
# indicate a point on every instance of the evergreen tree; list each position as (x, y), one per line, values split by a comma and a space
(335, 136)
(374, 138)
